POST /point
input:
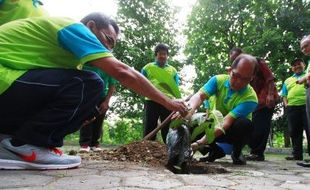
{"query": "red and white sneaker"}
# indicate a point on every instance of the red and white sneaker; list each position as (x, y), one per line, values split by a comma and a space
(84, 149)
(33, 157)
(96, 148)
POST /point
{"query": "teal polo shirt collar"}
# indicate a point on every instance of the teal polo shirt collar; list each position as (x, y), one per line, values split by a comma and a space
(231, 91)
(166, 64)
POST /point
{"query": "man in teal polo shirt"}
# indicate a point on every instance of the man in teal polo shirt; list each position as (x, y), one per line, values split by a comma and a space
(294, 99)
(305, 48)
(165, 78)
(90, 133)
(236, 100)
(43, 93)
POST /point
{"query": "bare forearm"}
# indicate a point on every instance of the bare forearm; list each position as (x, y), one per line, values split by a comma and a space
(285, 102)
(196, 100)
(131, 79)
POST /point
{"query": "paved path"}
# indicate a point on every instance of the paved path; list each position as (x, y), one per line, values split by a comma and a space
(274, 174)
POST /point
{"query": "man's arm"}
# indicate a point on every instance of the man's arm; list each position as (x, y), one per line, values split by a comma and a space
(133, 80)
(304, 80)
(285, 102)
(195, 101)
(105, 105)
(284, 93)
(269, 78)
(270, 99)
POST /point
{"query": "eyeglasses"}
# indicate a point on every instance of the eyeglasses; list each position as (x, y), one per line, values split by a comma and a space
(111, 41)
(236, 75)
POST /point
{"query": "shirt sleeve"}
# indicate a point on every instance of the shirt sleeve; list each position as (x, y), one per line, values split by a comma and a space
(177, 79)
(267, 74)
(243, 109)
(210, 87)
(206, 104)
(143, 72)
(284, 91)
(80, 41)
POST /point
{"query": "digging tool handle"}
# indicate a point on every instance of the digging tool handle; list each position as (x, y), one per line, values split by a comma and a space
(159, 127)
(163, 124)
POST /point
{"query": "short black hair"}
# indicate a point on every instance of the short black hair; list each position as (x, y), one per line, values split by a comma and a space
(296, 60)
(161, 47)
(236, 49)
(101, 20)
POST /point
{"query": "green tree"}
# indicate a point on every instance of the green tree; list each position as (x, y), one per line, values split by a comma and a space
(144, 24)
(267, 29)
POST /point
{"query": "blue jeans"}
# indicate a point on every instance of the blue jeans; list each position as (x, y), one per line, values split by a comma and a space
(44, 105)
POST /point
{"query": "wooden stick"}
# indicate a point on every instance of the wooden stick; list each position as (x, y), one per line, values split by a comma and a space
(159, 127)
(163, 124)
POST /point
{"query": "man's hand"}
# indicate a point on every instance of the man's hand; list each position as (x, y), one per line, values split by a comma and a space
(179, 106)
(303, 80)
(194, 146)
(188, 115)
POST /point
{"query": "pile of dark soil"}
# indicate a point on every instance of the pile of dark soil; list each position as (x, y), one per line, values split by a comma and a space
(148, 153)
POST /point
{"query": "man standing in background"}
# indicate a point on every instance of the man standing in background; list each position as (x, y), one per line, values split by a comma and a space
(267, 94)
(92, 132)
(305, 48)
(294, 99)
(166, 79)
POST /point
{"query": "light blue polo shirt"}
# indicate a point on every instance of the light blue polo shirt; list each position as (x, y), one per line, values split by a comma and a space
(235, 103)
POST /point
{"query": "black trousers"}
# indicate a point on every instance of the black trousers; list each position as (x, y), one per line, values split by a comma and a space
(152, 112)
(308, 117)
(44, 105)
(90, 134)
(297, 122)
(261, 129)
(238, 135)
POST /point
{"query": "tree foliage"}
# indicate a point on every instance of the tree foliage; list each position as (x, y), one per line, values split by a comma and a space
(269, 29)
(144, 24)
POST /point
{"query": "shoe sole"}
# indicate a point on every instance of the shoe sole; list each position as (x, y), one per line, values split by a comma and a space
(307, 165)
(20, 165)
